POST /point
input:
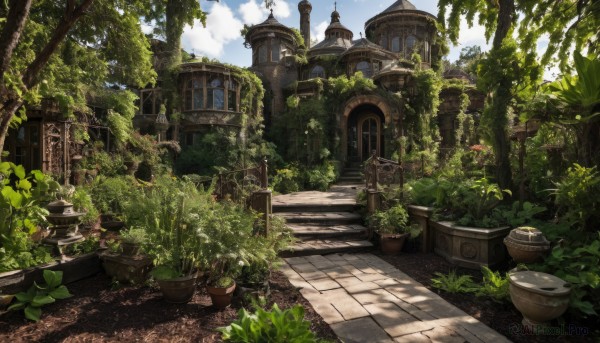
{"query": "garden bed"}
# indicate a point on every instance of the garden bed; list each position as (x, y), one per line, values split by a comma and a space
(500, 317)
(101, 311)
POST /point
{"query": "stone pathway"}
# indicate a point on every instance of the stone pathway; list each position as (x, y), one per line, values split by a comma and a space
(365, 299)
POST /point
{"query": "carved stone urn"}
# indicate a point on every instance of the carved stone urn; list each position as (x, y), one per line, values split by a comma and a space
(527, 245)
(540, 297)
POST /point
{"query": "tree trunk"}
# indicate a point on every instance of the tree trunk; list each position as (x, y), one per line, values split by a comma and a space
(15, 22)
(503, 94)
(29, 77)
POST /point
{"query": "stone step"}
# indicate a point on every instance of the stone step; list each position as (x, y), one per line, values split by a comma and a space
(352, 173)
(321, 218)
(312, 232)
(326, 246)
(350, 178)
(311, 207)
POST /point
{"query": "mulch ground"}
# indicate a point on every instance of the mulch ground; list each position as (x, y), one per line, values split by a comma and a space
(101, 312)
(504, 318)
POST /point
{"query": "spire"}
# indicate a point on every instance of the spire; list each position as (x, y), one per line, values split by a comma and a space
(335, 16)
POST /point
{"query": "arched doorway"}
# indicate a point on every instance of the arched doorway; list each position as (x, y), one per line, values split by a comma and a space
(365, 133)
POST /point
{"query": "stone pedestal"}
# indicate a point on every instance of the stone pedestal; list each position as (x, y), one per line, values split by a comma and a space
(261, 202)
(469, 247)
(373, 200)
(420, 215)
(127, 269)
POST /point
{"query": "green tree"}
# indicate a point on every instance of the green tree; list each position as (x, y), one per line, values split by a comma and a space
(68, 50)
(570, 25)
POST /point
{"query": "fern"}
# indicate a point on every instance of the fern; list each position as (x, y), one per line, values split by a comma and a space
(453, 283)
(494, 285)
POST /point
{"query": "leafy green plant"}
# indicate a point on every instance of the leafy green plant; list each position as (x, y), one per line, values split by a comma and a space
(516, 217)
(320, 177)
(134, 235)
(39, 295)
(112, 194)
(494, 285)
(88, 245)
(454, 283)
(579, 265)
(578, 197)
(393, 220)
(286, 180)
(276, 326)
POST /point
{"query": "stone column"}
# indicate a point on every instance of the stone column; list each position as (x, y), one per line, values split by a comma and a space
(373, 200)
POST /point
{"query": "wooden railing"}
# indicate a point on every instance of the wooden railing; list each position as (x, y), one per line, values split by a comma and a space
(238, 184)
(382, 172)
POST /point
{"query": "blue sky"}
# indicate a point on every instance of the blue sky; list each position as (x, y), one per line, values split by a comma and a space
(221, 38)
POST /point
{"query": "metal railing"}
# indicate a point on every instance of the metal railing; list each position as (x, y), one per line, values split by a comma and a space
(239, 184)
(382, 172)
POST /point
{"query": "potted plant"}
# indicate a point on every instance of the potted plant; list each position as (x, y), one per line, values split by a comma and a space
(221, 285)
(173, 213)
(128, 266)
(392, 227)
(132, 240)
(110, 196)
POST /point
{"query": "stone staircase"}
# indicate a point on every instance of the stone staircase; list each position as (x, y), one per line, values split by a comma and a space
(323, 222)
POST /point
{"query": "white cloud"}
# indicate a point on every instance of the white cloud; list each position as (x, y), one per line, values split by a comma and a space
(318, 32)
(221, 28)
(251, 12)
(254, 12)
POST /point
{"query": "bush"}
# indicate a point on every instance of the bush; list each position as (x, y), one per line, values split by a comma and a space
(286, 180)
(579, 265)
(321, 177)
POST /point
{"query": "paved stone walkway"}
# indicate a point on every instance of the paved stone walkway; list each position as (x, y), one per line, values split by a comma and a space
(365, 299)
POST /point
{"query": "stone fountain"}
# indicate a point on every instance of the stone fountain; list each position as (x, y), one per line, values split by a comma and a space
(65, 224)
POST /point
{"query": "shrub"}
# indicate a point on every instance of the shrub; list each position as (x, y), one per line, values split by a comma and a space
(393, 220)
(579, 265)
(320, 177)
(286, 180)
(578, 197)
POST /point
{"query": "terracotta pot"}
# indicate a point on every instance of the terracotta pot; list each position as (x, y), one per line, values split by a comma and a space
(527, 245)
(391, 244)
(540, 297)
(221, 297)
(178, 290)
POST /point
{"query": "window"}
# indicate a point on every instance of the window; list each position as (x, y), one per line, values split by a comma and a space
(317, 71)
(193, 94)
(410, 44)
(262, 54)
(383, 41)
(275, 51)
(396, 44)
(365, 68)
(150, 101)
(426, 51)
(232, 95)
(216, 94)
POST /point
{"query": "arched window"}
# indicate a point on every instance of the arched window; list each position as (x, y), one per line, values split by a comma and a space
(383, 41)
(410, 43)
(317, 71)
(396, 44)
(232, 95)
(262, 54)
(275, 50)
(365, 68)
(216, 94)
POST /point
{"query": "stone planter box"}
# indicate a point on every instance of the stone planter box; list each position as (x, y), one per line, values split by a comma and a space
(127, 269)
(74, 269)
(469, 247)
(420, 215)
